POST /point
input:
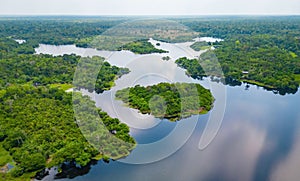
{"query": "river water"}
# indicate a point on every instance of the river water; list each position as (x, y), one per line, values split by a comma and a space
(257, 140)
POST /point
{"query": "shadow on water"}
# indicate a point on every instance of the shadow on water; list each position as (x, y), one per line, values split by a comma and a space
(68, 170)
(217, 163)
(233, 82)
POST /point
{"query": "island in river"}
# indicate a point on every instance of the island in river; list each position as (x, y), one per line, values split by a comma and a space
(141, 47)
(248, 53)
(170, 101)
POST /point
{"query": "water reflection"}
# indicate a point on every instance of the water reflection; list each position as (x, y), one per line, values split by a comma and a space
(288, 168)
(255, 130)
(259, 138)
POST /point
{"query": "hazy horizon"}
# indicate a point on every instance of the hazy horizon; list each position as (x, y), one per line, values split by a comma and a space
(148, 7)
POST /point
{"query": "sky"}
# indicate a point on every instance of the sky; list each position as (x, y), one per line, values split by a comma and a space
(149, 7)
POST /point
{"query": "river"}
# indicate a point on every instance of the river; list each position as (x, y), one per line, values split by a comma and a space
(257, 140)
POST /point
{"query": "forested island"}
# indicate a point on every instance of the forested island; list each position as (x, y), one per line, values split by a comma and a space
(192, 66)
(141, 47)
(38, 126)
(171, 101)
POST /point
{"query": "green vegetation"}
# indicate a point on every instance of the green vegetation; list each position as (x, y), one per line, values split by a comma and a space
(166, 58)
(200, 45)
(141, 47)
(4, 156)
(38, 129)
(270, 67)
(96, 74)
(105, 42)
(297, 78)
(16, 68)
(259, 50)
(93, 32)
(55, 30)
(108, 135)
(64, 87)
(9, 177)
(192, 66)
(231, 27)
(263, 60)
(37, 69)
(171, 101)
(37, 124)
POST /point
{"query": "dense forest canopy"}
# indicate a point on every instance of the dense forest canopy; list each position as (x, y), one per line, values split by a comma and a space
(47, 69)
(270, 67)
(94, 32)
(269, 61)
(264, 51)
(192, 66)
(39, 130)
(37, 124)
(226, 27)
(66, 30)
(141, 47)
(55, 30)
(171, 101)
(96, 74)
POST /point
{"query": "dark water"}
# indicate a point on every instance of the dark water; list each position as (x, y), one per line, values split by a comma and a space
(258, 139)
